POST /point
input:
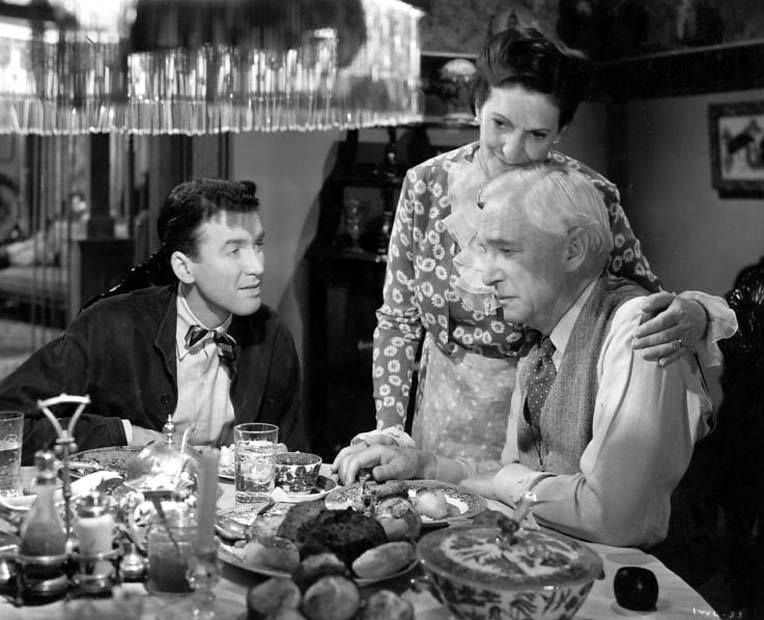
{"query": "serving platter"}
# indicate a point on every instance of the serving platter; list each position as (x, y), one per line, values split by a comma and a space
(462, 503)
(102, 459)
(233, 556)
(115, 458)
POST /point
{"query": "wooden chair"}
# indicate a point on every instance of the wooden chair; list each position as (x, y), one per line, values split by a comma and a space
(154, 271)
(740, 443)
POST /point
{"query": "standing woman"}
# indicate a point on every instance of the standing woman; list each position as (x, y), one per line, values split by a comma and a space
(526, 92)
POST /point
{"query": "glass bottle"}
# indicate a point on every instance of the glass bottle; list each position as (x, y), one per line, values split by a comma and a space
(43, 536)
(170, 545)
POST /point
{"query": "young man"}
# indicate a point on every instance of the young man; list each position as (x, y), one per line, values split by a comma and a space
(600, 434)
(203, 349)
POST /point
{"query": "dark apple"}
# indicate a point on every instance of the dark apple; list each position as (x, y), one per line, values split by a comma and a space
(635, 588)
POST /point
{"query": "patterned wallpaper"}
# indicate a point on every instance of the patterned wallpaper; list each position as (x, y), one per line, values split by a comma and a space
(603, 28)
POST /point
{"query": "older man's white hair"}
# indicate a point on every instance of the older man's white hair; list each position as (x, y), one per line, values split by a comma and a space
(556, 200)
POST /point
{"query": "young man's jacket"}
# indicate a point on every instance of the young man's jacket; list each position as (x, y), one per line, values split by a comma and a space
(122, 353)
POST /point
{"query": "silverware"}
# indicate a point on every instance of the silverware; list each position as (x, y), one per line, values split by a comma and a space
(233, 529)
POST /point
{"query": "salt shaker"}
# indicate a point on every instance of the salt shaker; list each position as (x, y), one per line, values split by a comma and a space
(94, 529)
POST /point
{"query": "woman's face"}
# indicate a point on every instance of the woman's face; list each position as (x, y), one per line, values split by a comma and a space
(517, 127)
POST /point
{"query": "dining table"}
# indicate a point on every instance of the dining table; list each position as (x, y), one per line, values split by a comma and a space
(677, 600)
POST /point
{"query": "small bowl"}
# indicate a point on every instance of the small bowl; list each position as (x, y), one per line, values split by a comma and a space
(296, 472)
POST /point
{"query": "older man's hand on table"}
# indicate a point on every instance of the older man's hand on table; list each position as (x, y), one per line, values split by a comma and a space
(386, 463)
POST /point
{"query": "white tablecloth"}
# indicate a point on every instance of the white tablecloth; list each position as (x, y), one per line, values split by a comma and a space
(677, 600)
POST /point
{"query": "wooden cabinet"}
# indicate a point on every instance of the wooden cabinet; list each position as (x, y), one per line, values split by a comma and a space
(346, 278)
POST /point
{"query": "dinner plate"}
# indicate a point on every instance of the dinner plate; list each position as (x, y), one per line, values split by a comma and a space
(324, 485)
(79, 487)
(103, 459)
(233, 556)
(462, 503)
(113, 458)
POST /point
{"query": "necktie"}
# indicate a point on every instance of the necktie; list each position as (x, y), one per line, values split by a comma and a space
(541, 376)
(225, 343)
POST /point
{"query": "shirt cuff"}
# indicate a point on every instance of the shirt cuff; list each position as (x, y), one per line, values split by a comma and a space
(515, 480)
(128, 428)
(722, 323)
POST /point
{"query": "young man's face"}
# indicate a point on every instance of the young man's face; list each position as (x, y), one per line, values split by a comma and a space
(524, 264)
(227, 271)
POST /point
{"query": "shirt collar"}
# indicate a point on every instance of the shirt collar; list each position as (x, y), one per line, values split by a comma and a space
(187, 318)
(560, 335)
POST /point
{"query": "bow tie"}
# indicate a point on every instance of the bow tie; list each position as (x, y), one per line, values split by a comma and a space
(226, 343)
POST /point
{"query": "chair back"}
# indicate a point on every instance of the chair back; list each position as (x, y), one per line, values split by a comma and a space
(744, 352)
(154, 271)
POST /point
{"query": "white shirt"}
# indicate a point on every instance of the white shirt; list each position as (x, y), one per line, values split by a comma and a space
(646, 421)
(204, 400)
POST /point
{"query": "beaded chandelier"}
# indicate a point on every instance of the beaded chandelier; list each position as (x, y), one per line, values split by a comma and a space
(207, 66)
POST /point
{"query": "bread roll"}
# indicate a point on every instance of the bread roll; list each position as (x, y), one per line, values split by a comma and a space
(384, 560)
(272, 552)
(272, 595)
(287, 614)
(313, 567)
(387, 605)
(331, 598)
(431, 503)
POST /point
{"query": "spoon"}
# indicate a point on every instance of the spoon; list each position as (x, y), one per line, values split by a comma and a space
(233, 529)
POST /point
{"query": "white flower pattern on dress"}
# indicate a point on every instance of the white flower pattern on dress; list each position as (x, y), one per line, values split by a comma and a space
(418, 295)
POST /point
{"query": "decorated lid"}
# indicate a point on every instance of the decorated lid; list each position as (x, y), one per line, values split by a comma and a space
(535, 558)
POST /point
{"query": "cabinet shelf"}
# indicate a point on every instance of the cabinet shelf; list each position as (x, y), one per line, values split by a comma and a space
(709, 69)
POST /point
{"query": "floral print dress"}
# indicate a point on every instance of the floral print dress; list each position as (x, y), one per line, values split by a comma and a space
(433, 295)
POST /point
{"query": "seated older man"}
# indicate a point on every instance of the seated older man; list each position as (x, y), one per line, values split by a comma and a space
(601, 435)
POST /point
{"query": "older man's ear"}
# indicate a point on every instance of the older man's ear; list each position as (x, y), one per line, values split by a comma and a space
(576, 249)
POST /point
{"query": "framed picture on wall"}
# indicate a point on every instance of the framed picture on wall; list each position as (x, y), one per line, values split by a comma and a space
(737, 148)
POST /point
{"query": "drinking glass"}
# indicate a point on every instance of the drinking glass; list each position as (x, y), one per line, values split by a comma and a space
(254, 446)
(11, 434)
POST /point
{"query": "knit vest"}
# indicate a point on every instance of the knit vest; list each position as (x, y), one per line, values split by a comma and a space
(566, 417)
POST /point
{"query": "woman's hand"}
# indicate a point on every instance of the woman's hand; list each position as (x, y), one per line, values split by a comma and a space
(373, 439)
(386, 463)
(676, 323)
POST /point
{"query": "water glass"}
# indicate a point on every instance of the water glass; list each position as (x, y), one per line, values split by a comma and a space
(254, 447)
(11, 435)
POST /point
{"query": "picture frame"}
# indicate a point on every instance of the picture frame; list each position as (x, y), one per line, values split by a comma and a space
(736, 132)
(446, 87)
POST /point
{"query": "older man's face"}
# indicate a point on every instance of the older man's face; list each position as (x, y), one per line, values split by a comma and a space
(524, 264)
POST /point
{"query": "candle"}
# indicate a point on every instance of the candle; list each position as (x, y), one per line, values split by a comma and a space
(207, 500)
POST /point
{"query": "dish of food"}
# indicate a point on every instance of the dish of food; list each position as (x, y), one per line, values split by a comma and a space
(234, 557)
(438, 503)
(115, 458)
(307, 541)
(481, 569)
(102, 459)
(79, 487)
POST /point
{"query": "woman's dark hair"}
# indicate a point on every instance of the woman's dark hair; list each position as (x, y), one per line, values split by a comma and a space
(191, 204)
(525, 57)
